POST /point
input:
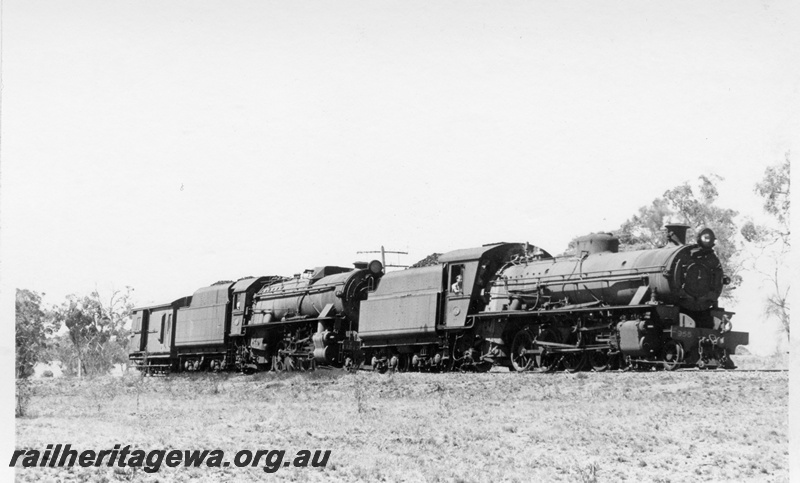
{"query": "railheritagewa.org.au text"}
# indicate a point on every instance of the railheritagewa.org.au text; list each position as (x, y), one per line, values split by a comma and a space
(64, 456)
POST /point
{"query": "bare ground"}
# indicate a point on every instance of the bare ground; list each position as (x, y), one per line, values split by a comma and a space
(647, 426)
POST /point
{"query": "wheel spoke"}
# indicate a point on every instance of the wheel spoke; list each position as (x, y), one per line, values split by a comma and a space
(672, 355)
(574, 361)
(599, 360)
(520, 361)
(546, 360)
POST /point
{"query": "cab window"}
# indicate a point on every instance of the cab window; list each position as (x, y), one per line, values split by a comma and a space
(457, 279)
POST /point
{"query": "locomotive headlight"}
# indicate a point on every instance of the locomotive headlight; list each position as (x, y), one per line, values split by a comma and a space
(375, 267)
(706, 238)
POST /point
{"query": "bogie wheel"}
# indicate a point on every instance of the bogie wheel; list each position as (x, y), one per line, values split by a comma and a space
(673, 355)
(309, 364)
(574, 361)
(546, 360)
(349, 364)
(277, 363)
(449, 364)
(614, 361)
(520, 361)
(599, 360)
(379, 366)
(352, 364)
(405, 362)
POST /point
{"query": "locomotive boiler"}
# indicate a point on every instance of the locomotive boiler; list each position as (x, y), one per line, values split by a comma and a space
(686, 276)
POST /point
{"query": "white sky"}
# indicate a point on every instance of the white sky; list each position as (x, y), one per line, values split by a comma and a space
(166, 145)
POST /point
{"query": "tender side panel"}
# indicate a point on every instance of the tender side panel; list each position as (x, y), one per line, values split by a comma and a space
(201, 325)
(399, 316)
(405, 308)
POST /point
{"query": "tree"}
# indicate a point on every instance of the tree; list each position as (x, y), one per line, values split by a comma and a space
(96, 330)
(33, 325)
(774, 188)
(694, 205)
(61, 349)
(772, 241)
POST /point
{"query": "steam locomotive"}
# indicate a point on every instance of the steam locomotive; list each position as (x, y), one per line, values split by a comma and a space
(503, 304)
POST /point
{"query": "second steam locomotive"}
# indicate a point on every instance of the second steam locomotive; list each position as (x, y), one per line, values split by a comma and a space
(503, 304)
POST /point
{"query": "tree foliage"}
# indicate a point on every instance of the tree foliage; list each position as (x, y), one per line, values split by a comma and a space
(694, 205)
(772, 241)
(33, 325)
(96, 335)
(774, 188)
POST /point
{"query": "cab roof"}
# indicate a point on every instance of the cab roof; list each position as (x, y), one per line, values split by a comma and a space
(467, 254)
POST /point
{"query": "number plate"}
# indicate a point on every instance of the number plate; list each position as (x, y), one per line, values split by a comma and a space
(351, 345)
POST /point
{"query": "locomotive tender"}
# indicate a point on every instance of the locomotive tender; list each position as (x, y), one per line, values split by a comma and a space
(506, 304)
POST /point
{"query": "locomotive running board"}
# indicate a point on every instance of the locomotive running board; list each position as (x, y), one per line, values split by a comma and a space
(286, 322)
(521, 313)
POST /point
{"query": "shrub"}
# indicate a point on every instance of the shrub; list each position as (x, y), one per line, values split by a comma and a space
(24, 393)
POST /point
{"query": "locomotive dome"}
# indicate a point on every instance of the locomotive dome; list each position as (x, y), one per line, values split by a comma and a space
(597, 243)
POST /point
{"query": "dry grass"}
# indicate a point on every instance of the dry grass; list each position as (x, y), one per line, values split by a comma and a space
(752, 362)
(664, 427)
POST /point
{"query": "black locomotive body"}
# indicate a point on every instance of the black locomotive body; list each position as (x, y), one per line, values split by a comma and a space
(527, 310)
(279, 323)
(505, 304)
(304, 321)
(606, 308)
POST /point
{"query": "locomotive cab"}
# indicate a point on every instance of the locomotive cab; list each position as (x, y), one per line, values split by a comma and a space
(414, 303)
(241, 300)
(468, 275)
(411, 319)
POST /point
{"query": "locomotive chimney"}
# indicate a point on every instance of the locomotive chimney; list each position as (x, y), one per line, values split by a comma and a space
(676, 233)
